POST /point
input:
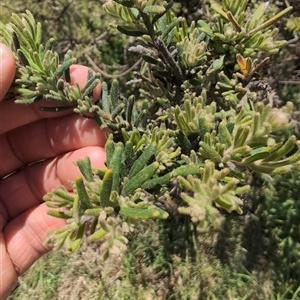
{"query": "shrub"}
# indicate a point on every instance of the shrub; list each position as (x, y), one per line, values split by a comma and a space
(193, 137)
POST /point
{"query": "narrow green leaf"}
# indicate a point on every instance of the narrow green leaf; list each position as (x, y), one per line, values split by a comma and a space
(61, 69)
(143, 213)
(135, 137)
(106, 188)
(159, 180)
(49, 45)
(241, 136)
(105, 99)
(93, 211)
(90, 85)
(139, 179)
(218, 63)
(142, 160)
(38, 34)
(130, 31)
(159, 15)
(286, 148)
(254, 157)
(118, 111)
(129, 108)
(224, 134)
(184, 142)
(139, 121)
(192, 169)
(84, 199)
(154, 9)
(283, 162)
(97, 235)
(149, 59)
(116, 165)
(209, 152)
(129, 154)
(63, 193)
(169, 27)
(218, 8)
(37, 60)
(270, 21)
(15, 40)
(114, 94)
(29, 100)
(257, 167)
(22, 58)
(76, 209)
(126, 3)
(58, 214)
(78, 238)
(109, 149)
(85, 168)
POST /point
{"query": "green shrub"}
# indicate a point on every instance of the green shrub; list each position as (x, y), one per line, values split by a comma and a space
(196, 140)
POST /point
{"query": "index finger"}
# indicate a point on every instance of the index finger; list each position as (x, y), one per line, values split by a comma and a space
(16, 115)
(7, 69)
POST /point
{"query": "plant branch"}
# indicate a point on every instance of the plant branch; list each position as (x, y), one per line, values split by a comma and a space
(113, 76)
(166, 55)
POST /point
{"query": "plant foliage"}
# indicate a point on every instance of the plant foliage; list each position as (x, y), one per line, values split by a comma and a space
(198, 125)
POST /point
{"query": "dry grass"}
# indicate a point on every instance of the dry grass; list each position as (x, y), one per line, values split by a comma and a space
(157, 267)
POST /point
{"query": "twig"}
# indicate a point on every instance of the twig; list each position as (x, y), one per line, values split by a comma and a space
(293, 40)
(166, 55)
(96, 68)
(289, 82)
(96, 40)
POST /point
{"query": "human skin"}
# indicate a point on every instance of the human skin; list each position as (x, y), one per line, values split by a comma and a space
(37, 151)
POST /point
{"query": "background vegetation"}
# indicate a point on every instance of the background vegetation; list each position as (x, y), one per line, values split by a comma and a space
(255, 255)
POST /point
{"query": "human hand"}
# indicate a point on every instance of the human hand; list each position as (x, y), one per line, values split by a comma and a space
(37, 151)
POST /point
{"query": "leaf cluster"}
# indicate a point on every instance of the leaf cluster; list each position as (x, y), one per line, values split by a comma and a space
(187, 141)
(40, 74)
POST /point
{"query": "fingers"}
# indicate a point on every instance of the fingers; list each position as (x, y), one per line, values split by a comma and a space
(26, 188)
(7, 69)
(15, 115)
(24, 238)
(36, 138)
(8, 274)
(47, 138)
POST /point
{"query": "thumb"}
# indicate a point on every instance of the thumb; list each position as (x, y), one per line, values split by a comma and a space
(7, 69)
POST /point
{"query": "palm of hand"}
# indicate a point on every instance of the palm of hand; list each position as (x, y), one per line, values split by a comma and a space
(36, 155)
